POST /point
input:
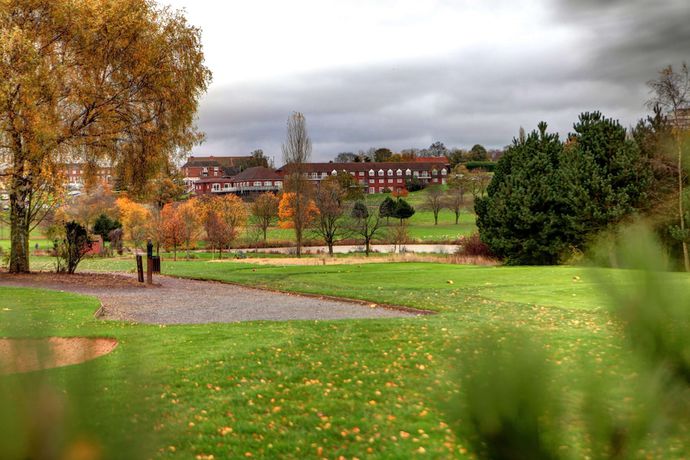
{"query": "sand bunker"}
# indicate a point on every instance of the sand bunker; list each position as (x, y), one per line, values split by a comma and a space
(25, 355)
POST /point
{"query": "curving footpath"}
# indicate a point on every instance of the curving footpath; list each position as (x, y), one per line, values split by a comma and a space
(183, 301)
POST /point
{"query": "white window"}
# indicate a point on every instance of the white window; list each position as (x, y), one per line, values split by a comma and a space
(267, 183)
(381, 181)
(416, 174)
(334, 172)
(352, 173)
(361, 173)
(257, 183)
(372, 190)
(205, 170)
(434, 172)
(226, 186)
(390, 181)
(444, 172)
(390, 172)
(398, 172)
(399, 181)
(380, 172)
(408, 172)
(279, 184)
(371, 172)
(216, 187)
(371, 181)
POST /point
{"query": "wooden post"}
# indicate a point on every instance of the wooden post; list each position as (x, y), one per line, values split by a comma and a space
(149, 262)
(140, 268)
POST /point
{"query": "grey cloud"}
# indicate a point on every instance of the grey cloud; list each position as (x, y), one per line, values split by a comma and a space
(480, 96)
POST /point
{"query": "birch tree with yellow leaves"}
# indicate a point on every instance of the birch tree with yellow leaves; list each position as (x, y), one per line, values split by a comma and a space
(114, 81)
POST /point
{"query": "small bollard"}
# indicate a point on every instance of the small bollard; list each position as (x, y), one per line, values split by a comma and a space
(140, 268)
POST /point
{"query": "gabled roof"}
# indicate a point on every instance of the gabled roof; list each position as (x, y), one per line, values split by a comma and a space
(354, 167)
(256, 173)
(224, 161)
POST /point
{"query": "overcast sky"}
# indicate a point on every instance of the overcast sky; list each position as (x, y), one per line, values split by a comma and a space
(406, 73)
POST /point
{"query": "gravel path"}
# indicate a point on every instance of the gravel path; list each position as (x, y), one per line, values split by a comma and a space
(181, 301)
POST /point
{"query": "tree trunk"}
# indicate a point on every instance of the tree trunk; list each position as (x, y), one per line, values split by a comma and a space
(298, 237)
(19, 231)
(681, 213)
(330, 248)
(435, 217)
(457, 217)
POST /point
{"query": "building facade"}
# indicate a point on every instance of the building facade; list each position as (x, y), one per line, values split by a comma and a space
(379, 177)
(251, 180)
(198, 168)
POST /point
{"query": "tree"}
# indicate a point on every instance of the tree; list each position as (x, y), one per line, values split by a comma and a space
(330, 203)
(455, 195)
(287, 209)
(456, 156)
(257, 158)
(478, 153)
(117, 80)
(135, 220)
(671, 92)
(365, 224)
(265, 211)
(383, 154)
(351, 187)
(75, 245)
(345, 157)
(433, 200)
(173, 228)
(164, 190)
(437, 149)
(525, 218)
(403, 210)
(605, 178)
(386, 208)
(225, 217)
(87, 207)
(104, 225)
(296, 153)
(190, 213)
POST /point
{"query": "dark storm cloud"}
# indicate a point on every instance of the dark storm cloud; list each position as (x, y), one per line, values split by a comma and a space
(478, 96)
(631, 39)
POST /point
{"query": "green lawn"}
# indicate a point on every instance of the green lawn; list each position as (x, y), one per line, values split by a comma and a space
(360, 388)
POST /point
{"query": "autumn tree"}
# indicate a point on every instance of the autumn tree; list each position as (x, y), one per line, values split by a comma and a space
(87, 207)
(135, 219)
(190, 214)
(173, 228)
(225, 217)
(117, 81)
(296, 153)
(329, 200)
(351, 187)
(455, 194)
(671, 92)
(433, 200)
(164, 190)
(288, 207)
(264, 210)
(365, 223)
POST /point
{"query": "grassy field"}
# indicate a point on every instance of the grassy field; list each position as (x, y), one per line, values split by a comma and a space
(364, 388)
(421, 228)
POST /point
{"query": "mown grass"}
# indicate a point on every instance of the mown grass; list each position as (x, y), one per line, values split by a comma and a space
(360, 388)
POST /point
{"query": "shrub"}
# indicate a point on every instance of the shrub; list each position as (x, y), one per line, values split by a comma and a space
(473, 246)
(75, 245)
(414, 184)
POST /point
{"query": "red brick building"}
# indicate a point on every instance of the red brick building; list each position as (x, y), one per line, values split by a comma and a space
(197, 168)
(251, 180)
(76, 173)
(379, 177)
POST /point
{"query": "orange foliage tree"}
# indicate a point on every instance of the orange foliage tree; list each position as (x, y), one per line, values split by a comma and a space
(190, 214)
(135, 219)
(287, 210)
(173, 228)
